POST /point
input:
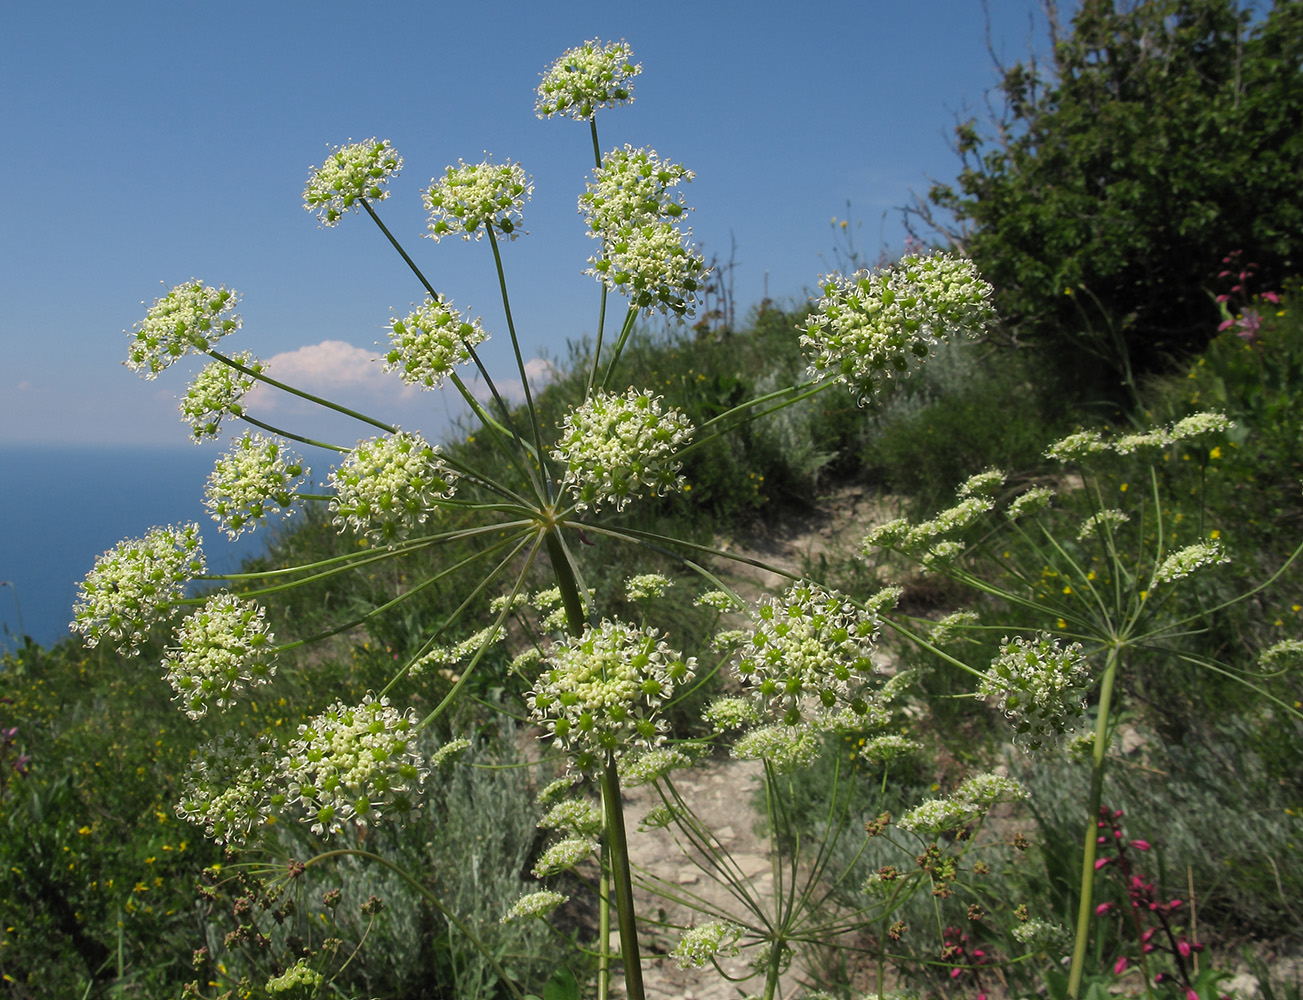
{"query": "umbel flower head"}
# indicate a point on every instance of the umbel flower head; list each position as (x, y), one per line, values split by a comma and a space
(586, 78)
(617, 447)
(878, 325)
(134, 582)
(1040, 686)
(471, 197)
(191, 317)
(388, 485)
(352, 172)
(807, 657)
(233, 787)
(601, 692)
(220, 649)
(255, 478)
(354, 763)
(430, 342)
(631, 206)
(215, 392)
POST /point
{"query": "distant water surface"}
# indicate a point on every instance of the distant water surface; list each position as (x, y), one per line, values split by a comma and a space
(60, 507)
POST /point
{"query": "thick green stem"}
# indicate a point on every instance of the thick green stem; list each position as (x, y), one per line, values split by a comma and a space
(616, 842)
(1086, 910)
(619, 848)
(775, 964)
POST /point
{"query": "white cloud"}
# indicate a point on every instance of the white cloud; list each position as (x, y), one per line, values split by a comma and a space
(330, 369)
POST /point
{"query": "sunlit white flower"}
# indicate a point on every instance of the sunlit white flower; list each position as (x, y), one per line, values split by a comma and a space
(1283, 655)
(1183, 562)
(430, 342)
(655, 267)
(1077, 447)
(533, 905)
(471, 197)
(1198, 424)
(616, 448)
(216, 392)
(874, 326)
(587, 77)
(351, 173)
(387, 486)
(220, 650)
(1035, 499)
(787, 748)
(562, 855)
(601, 692)
(190, 318)
(647, 586)
(354, 763)
(936, 816)
(257, 477)
(808, 654)
(132, 583)
(578, 816)
(632, 188)
(981, 484)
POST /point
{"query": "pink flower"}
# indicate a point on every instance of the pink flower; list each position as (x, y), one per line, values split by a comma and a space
(1191, 995)
(1272, 297)
(956, 973)
(1101, 862)
(1140, 845)
(1183, 946)
(1120, 966)
(1103, 908)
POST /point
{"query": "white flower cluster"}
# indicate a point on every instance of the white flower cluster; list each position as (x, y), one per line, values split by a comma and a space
(190, 318)
(1283, 655)
(652, 765)
(1183, 562)
(232, 788)
(1082, 445)
(133, 582)
(1110, 519)
(731, 712)
(647, 586)
(562, 855)
(717, 599)
(471, 197)
(808, 654)
(874, 326)
(616, 447)
(585, 78)
(982, 484)
(354, 763)
(705, 942)
(387, 486)
(354, 172)
(578, 816)
(215, 392)
(787, 748)
(1035, 499)
(601, 692)
(430, 342)
(257, 477)
(220, 649)
(889, 747)
(533, 905)
(1040, 686)
(947, 629)
(1040, 935)
(955, 518)
(1077, 447)
(631, 206)
(966, 805)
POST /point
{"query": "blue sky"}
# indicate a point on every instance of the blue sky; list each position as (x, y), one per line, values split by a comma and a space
(150, 143)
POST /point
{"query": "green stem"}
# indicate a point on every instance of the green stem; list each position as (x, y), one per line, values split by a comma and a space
(619, 848)
(520, 364)
(218, 356)
(433, 900)
(604, 922)
(616, 840)
(291, 435)
(1098, 755)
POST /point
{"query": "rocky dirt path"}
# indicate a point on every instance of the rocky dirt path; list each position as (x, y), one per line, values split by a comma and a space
(722, 794)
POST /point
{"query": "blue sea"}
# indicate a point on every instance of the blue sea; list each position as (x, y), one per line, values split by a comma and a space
(60, 507)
